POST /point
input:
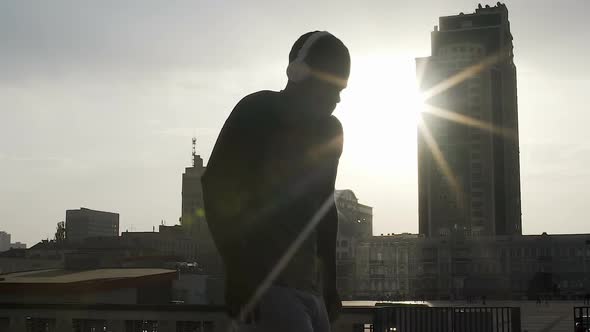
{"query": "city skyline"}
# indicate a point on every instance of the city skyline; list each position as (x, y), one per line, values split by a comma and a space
(107, 124)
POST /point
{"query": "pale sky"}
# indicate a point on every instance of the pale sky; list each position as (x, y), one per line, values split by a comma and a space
(99, 101)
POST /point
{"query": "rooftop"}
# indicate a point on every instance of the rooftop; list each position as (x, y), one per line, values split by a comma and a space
(58, 276)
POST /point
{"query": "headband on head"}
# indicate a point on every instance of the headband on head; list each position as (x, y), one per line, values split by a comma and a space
(298, 70)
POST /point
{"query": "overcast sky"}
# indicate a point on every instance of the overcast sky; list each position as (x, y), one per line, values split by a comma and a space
(99, 101)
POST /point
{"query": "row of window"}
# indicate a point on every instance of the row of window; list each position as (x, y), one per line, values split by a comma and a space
(37, 324)
(382, 285)
(460, 50)
(342, 255)
(548, 252)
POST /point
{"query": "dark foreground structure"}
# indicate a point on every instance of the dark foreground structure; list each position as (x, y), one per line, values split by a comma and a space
(194, 318)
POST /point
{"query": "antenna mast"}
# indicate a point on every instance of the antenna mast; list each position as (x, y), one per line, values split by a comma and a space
(194, 150)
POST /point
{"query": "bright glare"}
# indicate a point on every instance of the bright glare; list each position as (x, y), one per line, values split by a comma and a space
(379, 112)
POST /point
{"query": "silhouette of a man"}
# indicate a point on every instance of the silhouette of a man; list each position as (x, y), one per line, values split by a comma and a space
(269, 194)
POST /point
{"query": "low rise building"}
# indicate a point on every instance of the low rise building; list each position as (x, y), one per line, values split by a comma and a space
(15, 260)
(18, 245)
(385, 268)
(355, 223)
(170, 240)
(463, 267)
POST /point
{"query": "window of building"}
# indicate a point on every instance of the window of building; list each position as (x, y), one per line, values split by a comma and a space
(476, 184)
(89, 325)
(36, 324)
(141, 326)
(194, 326)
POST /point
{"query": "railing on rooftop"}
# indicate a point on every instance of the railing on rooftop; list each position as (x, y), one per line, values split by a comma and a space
(581, 319)
(183, 318)
(429, 319)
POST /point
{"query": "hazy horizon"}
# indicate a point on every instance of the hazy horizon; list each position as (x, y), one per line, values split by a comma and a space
(99, 103)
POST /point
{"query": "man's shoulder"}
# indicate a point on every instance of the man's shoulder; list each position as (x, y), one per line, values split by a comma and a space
(334, 125)
(254, 108)
(258, 100)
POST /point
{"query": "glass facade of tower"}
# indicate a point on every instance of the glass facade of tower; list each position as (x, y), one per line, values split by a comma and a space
(468, 166)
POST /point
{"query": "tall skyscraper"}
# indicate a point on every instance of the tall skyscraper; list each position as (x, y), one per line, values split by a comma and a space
(193, 215)
(192, 193)
(468, 151)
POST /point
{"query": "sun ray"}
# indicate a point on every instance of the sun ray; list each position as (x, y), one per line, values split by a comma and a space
(455, 117)
(469, 121)
(440, 160)
(462, 75)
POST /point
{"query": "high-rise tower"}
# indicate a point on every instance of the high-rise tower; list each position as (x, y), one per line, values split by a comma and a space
(193, 215)
(192, 193)
(468, 155)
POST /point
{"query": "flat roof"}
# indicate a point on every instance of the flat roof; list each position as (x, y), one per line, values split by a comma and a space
(85, 280)
(68, 276)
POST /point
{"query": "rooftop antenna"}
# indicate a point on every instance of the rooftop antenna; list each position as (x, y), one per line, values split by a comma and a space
(194, 149)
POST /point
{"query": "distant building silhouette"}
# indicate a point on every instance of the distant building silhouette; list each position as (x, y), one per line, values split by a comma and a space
(386, 267)
(169, 240)
(459, 267)
(355, 225)
(193, 215)
(4, 241)
(84, 223)
(472, 119)
(18, 245)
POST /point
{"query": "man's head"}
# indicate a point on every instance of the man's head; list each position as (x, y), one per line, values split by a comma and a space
(319, 66)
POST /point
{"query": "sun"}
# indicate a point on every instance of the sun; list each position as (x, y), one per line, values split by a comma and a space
(379, 111)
